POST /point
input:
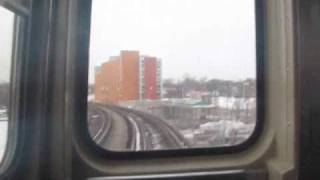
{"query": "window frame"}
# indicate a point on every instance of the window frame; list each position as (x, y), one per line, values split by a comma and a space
(80, 89)
(19, 7)
(13, 148)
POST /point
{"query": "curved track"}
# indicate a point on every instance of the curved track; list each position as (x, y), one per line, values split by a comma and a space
(105, 125)
(157, 133)
(112, 132)
(140, 130)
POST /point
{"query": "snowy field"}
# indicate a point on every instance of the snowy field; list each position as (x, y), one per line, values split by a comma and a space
(3, 137)
(3, 130)
(220, 133)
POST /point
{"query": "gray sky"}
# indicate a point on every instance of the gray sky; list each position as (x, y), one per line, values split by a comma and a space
(212, 38)
(6, 30)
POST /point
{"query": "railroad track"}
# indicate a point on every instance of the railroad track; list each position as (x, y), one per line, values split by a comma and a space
(104, 136)
(135, 140)
(143, 131)
(148, 127)
(106, 124)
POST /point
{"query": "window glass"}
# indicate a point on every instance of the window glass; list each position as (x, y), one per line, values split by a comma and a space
(172, 74)
(6, 44)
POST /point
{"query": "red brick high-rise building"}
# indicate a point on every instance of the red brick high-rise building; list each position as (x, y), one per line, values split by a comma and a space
(128, 77)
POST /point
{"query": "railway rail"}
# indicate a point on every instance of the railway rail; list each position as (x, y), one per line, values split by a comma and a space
(106, 124)
(144, 131)
(172, 138)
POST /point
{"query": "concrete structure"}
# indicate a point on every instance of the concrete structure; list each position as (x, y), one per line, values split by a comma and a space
(128, 77)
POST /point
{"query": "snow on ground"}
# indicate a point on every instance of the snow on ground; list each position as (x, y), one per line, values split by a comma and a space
(219, 133)
(3, 130)
(228, 128)
(3, 137)
(232, 102)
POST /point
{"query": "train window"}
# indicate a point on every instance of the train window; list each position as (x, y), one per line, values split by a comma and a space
(6, 47)
(172, 74)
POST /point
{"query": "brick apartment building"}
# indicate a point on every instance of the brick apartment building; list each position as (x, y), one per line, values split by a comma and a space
(128, 77)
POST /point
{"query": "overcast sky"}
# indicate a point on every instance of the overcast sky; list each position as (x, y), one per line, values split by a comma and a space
(202, 38)
(6, 29)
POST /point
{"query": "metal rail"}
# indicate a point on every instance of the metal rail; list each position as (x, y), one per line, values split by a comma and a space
(134, 140)
(102, 133)
(171, 135)
(173, 138)
(142, 129)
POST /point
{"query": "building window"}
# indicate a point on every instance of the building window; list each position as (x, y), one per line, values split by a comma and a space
(208, 70)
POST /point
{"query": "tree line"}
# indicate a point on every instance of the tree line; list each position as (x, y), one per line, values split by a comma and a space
(4, 94)
(216, 87)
